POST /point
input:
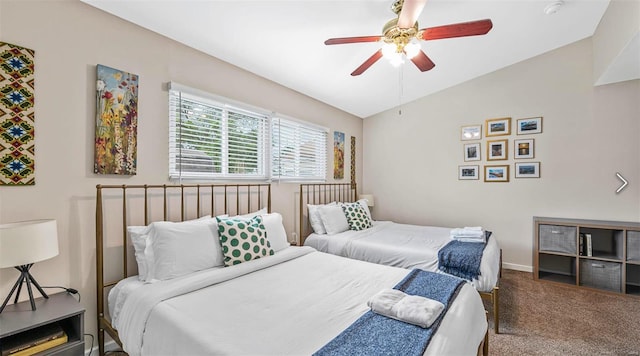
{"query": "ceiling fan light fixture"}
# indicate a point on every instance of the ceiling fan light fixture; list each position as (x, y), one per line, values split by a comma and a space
(396, 60)
(411, 49)
(398, 43)
(389, 50)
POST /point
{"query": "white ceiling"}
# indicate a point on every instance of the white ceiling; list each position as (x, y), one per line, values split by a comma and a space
(283, 41)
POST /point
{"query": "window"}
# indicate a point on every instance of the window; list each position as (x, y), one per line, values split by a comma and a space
(210, 139)
(299, 151)
(214, 138)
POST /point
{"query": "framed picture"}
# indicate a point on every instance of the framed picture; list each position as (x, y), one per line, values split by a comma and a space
(523, 148)
(496, 173)
(498, 127)
(532, 125)
(471, 132)
(338, 155)
(116, 138)
(468, 172)
(472, 152)
(497, 150)
(528, 170)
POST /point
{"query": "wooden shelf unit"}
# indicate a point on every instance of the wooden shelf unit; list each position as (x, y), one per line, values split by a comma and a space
(561, 254)
(61, 308)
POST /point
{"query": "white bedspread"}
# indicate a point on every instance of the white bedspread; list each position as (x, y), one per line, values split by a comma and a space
(406, 246)
(291, 303)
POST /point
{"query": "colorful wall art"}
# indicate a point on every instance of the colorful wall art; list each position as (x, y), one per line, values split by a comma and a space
(17, 115)
(116, 122)
(353, 161)
(338, 155)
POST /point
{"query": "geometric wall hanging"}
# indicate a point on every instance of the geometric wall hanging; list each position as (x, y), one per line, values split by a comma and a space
(116, 122)
(17, 115)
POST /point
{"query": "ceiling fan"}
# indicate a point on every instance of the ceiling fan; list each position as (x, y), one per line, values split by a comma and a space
(401, 36)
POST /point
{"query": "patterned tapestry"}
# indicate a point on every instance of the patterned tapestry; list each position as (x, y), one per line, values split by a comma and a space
(353, 161)
(338, 155)
(17, 115)
(116, 122)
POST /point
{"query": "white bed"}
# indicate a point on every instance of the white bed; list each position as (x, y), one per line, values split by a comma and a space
(291, 303)
(406, 246)
(323, 226)
(233, 285)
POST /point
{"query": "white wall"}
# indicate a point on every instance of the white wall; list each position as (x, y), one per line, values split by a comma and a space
(589, 134)
(615, 43)
(69, 39)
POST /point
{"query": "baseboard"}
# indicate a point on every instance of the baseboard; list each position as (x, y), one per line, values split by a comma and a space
(517, 267)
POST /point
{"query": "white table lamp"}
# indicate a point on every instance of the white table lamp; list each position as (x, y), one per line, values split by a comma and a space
(21, 245)
(369, 198)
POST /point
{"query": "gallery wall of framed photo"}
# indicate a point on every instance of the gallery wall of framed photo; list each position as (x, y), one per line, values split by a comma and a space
(488, 155)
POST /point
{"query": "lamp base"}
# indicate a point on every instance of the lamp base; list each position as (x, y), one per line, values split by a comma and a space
(25, 276)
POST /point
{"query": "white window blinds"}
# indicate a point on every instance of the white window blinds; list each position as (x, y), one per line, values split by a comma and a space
(299, 151)
(214, 138)
(209, 139)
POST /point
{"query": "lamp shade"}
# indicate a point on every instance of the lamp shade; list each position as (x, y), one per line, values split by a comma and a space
(26, 242)
(368, 198)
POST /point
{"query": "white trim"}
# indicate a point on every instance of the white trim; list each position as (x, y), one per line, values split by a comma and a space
(217, 98)
(517, 267)
(277, 115)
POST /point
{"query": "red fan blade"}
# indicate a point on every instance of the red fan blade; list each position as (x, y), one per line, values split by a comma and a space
(410, 12)
(423, 62)
(368, 63)
(463, 29)
(345, 40)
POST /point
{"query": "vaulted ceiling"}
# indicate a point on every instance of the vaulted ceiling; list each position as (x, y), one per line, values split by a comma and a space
(283, 41)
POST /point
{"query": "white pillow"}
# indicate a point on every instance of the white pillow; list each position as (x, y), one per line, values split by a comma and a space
(276, 233)
(138, 236)
(175, 249)
(314, 218)
(333, 219)
(245, 216)
(363, 202)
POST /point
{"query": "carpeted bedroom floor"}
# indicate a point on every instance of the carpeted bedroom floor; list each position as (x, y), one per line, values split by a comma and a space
(540, 318)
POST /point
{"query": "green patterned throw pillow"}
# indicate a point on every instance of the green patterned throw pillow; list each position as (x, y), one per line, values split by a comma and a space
(243, 240)
(356, 216)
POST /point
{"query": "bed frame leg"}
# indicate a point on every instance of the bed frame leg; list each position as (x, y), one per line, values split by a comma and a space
(485, 346)
(496, 309)
(100, 342)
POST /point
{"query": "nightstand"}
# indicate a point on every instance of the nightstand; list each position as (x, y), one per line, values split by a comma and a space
(18, 320)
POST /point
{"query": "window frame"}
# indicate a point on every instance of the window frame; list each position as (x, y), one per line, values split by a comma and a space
(319, 131)
(265, 151)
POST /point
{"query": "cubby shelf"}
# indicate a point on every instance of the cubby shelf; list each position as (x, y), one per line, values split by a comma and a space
(596, 254)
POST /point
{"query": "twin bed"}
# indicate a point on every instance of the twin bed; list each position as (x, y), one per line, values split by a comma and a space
(389, 243)
(296, 301)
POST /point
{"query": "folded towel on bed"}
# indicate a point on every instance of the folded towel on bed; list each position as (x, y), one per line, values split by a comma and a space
(466, 231)
(470, 239)
(411, 309)
(468, 234)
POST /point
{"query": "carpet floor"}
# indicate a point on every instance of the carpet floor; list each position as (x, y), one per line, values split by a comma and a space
(542, 318)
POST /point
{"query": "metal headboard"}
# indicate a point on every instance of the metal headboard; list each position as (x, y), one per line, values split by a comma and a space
(321, 193)
(193, 201)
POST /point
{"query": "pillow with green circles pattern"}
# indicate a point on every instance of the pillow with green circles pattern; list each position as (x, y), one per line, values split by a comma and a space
(356, 216)
(243, 240)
